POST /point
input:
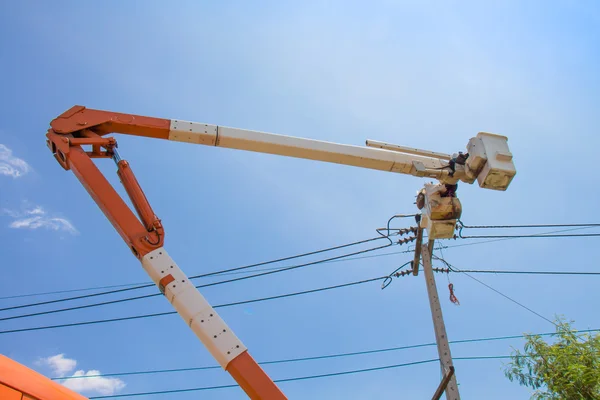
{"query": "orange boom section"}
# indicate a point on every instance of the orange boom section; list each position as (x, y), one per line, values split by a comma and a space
(144, 234)
(17, 382)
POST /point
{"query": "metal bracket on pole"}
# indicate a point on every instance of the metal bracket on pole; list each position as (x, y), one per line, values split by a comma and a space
(441, 337)
(418, 244)
(440, 390)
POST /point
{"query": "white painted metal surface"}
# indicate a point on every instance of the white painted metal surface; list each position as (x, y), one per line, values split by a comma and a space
(438, 322)
(214, 333)
(440, 213)
(490, 157)
(262, 142)
(490, 161)
(408, 150)
(193, 132)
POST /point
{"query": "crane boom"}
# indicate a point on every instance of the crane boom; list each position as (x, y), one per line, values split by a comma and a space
(103, 122)
(488, 161)
(262, 142)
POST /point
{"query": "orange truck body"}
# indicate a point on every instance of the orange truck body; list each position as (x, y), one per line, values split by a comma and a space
(17, 382)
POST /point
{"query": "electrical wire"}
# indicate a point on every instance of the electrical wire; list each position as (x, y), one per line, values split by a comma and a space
(329, 375)
(462, 226)
(191, 277)
(281, 296)
(332, 374)
(232, 273)
(289, 360)
(85, 296)
(387, 229)
(312, 358)
(278, 268)
(18, 296)
(527, 226)
(388, 279)
(454, 269)
(267, 272)
(221, 274)
(510, 238)
(486, 271)
(530, 236)
(84, 306)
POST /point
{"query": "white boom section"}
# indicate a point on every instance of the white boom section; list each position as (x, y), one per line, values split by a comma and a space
(214, 333)
(365, 157)
(408, 150)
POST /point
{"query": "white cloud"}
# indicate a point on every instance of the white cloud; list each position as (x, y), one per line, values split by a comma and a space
(55, 224)
(90, 382)
(36, 218)
(36, 211)
(59, 365)
(86, 381)
(11, 165)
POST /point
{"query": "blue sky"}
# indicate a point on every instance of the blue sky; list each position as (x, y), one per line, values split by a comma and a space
(422, 74)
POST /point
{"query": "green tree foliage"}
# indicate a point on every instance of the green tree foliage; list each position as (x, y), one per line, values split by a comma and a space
(567, 369)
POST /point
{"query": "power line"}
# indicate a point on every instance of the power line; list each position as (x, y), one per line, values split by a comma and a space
(198, 286)
(86, 296)
(454, 269)
(37, 328)
(329, 375)
(269, 271)
(356, 371)
(227, 273)
(297, 266)
(221, 274)
(312, 358)
(545, 234)
(511, 299)
(510, 238)
(556, 234)
(527, 226)
(142, 286)
(531, 236)
(18, 296)
(485, 271)
(277, 270)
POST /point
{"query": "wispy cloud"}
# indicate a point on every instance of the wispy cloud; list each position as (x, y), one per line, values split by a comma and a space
(36, 217)
(84, 381)
(90, 382)
(11, 165)
(58, 364)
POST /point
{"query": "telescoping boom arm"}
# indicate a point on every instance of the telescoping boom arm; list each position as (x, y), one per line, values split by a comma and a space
(488, 160)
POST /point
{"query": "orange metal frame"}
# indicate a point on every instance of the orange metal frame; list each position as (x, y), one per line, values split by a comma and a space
(79, 127)
(17, 382)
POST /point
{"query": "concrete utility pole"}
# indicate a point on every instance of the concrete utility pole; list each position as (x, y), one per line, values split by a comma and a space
(441, 337)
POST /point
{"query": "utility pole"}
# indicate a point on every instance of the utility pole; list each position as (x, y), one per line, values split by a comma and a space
(441, 338)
